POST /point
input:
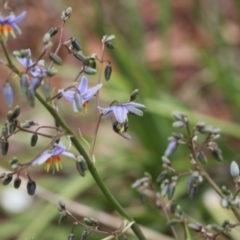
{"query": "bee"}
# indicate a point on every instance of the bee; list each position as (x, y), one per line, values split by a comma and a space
(121, 129)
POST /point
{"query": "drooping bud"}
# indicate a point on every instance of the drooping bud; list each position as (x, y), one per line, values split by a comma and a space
(215, 150)
(14, 163)
(8, 94)
(51, 72)
(234, 169)
(90, 221)
(178, 124)
(89, 70)
(161, 176)
(4, 131)
(13, 126)
(108, 72)
(35, 83)
(63, 218)
(16, 111)
(31, 187)
(53, 31)
(76, 44)
(171, 148)
(195, 226)
(84, 235)
(109, 45)
(4, 147)
(24, 83)
(31, 97)
(81, 167)
(78, 101)
(27, 124)
(107, 38)
(80, 56)
(10, 116)
(17, 182)
(201, 157)
(71, 237)
(55, 58)
(62, 205)
(47, 90)
(7, 179)
(34, 140)
(46, 38)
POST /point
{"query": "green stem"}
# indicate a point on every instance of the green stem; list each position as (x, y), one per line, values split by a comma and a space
(136, 229)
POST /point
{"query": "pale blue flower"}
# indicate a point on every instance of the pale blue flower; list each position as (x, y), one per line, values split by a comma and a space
(51, 156)
(9, 24)
(85, 93)
(27, 62)
(121, 111)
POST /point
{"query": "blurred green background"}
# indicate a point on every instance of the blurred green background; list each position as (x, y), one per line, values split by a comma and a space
(181, 55)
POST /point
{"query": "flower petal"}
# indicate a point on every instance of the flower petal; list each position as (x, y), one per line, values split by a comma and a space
(83, 85)
(134, 110)
(16, 19)
(69, 154)
(120, 113)
(105, 111)
(136, 105)
(69, 94)
(88, 94)
(42, 158)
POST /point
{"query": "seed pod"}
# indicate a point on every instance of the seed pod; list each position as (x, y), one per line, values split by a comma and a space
(78, 102)
(55, 58)
(5, 131)
(76, 44)
(31, 187)
(80, 56)
(16, 111)
(10, 116)
(71, 236)
(24, 83)
(8, 94)
(34, 140)
(109, 45)
(108, 72)
(4, 147)
(7, 179)
(53, 31)
(31, 97)
(17, 182)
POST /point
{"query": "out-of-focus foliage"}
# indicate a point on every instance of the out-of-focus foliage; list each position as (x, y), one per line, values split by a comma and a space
(181, 55)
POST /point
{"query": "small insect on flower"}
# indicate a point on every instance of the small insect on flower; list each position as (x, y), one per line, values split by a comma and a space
(8, 24)
(121, 129)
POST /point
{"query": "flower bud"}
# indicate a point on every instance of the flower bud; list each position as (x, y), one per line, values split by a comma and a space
(89, 70)
(47, 90)
(4, 147)
(171, 148)
(161, 176)
(171, 190)
(71, 237)
(5, 131)
(81, 167)
(55, 58)
(108, 72)
(10, 116)
(84, 235)
(234, 169)
(31, 187)
(13, 126)
(7, 179)
(201, 157)
(8, 94)
(46, 38)
(24, 83)
(66, 14)
(195, 227)
(17, 182)
(63, 218)
(16, 111)
(133, 95)
(178, 124)
(51, 72)
(109, 45)
(80, 56)
(34, 140)
(31, 97)
(35, 83)
(90, 221)
(76, 44)
(107, 38)
(53, 31)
